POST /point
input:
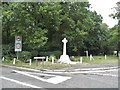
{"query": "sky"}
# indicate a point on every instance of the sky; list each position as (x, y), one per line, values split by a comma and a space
(103, 7)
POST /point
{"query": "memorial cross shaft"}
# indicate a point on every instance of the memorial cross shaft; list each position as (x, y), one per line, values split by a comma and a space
(64, 46)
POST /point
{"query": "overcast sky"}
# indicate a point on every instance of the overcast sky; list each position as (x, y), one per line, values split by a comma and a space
(103, 7)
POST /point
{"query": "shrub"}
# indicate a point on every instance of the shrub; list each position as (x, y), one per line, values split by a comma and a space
(50, 57)
(34, 53)
(7, 50)
(51, 53)
(24, 55)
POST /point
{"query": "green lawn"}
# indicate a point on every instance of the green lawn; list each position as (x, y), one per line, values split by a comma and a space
(49, 65)
(99, 60)
(39, 65)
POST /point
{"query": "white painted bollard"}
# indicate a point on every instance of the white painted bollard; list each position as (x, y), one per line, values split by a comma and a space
(91, 57)
(3, 59)
(119, 54)
(105, 57)
(30, 62)
(14, 61)
(46, 58)
(52, 60)
(87, 53)
(81, 58)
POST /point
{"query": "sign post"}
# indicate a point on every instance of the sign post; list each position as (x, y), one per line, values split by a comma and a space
(18, 44)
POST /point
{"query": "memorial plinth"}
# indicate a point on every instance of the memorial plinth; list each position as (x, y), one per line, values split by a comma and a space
(65, 58)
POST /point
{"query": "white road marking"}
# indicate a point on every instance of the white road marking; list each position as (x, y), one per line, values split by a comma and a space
(23, 73)
(96, 68)
(40, 74)
(58, 79)
(95, 71)
(105, 74)
(96, 79)
(53, 80)
(85, 71)
(18, 82)
(23, 68)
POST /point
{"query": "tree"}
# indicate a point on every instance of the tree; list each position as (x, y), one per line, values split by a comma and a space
(117, 31)
(21, 19)
(43, 25)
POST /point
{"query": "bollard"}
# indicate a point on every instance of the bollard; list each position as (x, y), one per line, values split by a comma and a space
(52, 60)
(47, 59)
(87, 54)
(3, 59)
(14, 61)
(91, 57)
(30, 62)
(105, 57)
(81, 58)
(119, 55)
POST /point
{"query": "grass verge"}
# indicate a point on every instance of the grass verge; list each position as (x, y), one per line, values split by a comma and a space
(49, 65)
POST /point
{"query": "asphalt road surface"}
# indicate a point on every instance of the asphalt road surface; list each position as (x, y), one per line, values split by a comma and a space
(88, 78)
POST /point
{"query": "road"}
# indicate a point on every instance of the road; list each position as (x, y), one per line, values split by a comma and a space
(77, 78)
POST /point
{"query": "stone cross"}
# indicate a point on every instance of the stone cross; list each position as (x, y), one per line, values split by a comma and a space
(64, 45)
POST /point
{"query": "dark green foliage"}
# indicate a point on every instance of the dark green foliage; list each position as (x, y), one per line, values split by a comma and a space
(43, 25)
(51, 53)
(34, 53)
(8, 51)
(115, 40)
(24, 55)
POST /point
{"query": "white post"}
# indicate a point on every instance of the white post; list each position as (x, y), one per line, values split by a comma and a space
(30, 62)
(105, 57)
(87, 54)
(81, 58)
(3, 59)
(47, 59)
(14, 61)
(64, 46)
(91, 57)
(52, 60)
(119, 55)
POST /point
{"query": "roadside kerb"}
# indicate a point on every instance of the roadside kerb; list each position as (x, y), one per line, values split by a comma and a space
(74, 70)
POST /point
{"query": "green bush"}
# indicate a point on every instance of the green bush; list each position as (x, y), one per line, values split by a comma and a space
(50, 57)
(51, 53)
(34, 53)
(24, 55)
(7, 50)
